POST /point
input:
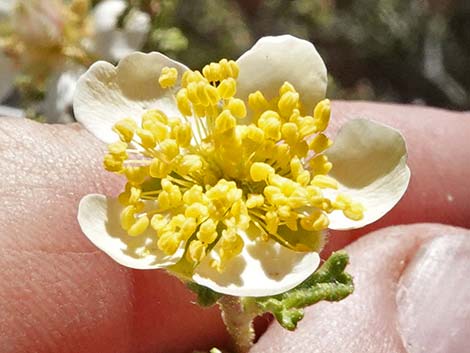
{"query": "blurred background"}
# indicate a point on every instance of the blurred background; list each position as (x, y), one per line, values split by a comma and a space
(406, 51)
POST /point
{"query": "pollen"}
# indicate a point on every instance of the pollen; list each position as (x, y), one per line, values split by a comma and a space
(199, 181)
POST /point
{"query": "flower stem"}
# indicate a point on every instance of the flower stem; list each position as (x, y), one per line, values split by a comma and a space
(239, 323)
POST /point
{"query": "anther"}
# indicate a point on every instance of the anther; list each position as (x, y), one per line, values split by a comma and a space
(322, 115)
(125, 129)
(168, 77)
(227, 88)
(257, 102)
(260, 171)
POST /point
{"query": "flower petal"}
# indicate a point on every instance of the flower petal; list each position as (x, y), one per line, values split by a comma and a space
(369, 162)
(98, 217)
(106, 94)
(263, 268)
(7, 75)
(113, 43)
(274, 60)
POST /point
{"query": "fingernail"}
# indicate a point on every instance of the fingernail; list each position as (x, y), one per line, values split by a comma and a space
(433, 297)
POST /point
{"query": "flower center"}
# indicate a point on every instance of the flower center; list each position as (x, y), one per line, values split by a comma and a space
(204, 181)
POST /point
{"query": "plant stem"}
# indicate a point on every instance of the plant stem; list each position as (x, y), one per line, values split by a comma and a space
(239, 323)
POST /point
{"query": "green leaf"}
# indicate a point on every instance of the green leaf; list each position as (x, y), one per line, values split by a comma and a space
(329, 283)
(205, 296)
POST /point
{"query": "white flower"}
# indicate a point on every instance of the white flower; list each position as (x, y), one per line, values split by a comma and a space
(112, 43)
(38, 22)
(95, 34)
(231, 198)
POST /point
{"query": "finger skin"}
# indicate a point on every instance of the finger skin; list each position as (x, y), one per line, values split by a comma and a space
(375, 318)
(438, 156)
(59, 294)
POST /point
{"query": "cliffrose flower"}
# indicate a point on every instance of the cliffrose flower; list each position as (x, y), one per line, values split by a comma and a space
(231, 180)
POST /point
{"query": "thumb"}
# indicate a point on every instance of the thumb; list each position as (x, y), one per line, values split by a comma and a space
(411, 296)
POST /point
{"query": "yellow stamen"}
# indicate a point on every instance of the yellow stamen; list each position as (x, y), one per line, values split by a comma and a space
(125, 129)
(227, 88)
(168, 77)
(260, 171)
(197, 251)
(325, 182)
(322, 115)
(237, 107)
(139, 226)
(320, 143)
(257, 102)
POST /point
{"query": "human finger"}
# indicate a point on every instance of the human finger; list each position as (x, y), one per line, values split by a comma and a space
(410, 296)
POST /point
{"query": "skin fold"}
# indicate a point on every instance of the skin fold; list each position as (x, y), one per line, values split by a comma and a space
(60, 294)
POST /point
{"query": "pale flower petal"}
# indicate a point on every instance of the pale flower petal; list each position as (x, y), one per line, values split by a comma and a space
(106, 94)
(98, 217)
(7, 75)
(274, 60)
(112, 43)
(263, 268)
(369, 162)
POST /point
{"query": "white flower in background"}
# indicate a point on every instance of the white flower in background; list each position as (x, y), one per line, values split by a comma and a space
(40, 23)
(54, 41)
(231, 181)
(112, 43)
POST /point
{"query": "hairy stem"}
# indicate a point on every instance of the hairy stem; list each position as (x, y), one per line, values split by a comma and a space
(239, 323)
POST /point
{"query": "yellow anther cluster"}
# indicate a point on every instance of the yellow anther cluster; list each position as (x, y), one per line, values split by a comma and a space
(168, 77)
(220, 71)
(200, 180)
(351, 209)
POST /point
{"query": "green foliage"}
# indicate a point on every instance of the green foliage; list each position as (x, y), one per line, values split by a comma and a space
(390, 50)
(386, 50)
